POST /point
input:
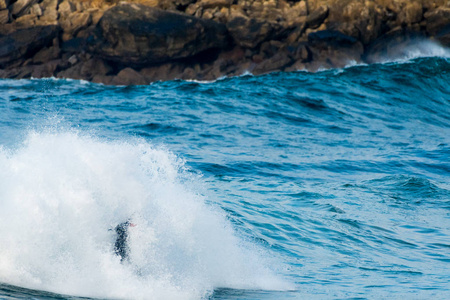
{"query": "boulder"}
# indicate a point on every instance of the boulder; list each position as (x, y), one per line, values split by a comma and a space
(167, 71)
(411, 13)
(73, 23)
(49, 11)
(20, 6)
(95, 66)
(24, 43)
(276, 63)
(4, 4)
(249, 32)
(103, 79)
(46, 54)
(363, 20)
(86, 69)
(45, 70)
(65, 8)
(4, 16)
(316, 18)
(139, 35)
(129, 76)
(26, 21)
(36, 10)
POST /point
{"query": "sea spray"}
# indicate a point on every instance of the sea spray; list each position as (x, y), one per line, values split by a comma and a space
(416, 48)
(62, 193)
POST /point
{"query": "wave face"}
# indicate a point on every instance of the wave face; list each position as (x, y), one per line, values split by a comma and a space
(299, 185)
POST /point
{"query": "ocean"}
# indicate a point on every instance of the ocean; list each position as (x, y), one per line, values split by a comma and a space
(326, 185)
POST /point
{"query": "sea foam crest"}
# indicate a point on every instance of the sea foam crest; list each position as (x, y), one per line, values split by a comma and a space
(62, 193)
(418, 49)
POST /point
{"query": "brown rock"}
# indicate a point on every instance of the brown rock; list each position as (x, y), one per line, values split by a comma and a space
(4, 4)
(296, 33)
(96, 15)
(295, 12)
(189, 73)
(26, 21)
(411, 13)
(23, 43)
(20, 6)
(73, 72)
(104, 79)
(301, 52)
(46, 55)
(128, 76)
(365, 21)
(141, 35)
(73, 23)
(45, 70)
(96, 66)
(24, 72)
(9, 73)
(4, 16)
(162, 72)
(276, 63)
(249, 33)
(316, 18)
(36, 10)
(296, 66)
(85, 69)
(65, 8)
(49, 10)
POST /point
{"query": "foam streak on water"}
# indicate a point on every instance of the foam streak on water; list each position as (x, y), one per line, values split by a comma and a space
(298, 185)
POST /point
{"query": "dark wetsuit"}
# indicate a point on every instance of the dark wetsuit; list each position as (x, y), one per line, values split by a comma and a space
(121, 246)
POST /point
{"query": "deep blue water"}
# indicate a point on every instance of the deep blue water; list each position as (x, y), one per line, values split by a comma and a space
(337, 183)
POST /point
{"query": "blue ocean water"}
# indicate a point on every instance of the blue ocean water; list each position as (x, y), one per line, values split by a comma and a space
(326, 185)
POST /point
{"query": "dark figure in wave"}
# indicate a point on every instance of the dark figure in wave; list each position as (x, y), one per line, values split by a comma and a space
(121, 247)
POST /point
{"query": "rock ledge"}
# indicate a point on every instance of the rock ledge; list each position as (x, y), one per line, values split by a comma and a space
(140, 41)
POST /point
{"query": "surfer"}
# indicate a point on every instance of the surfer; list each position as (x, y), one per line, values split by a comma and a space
(121, 247)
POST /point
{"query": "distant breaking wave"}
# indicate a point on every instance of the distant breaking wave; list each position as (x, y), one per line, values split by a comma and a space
(419, 49)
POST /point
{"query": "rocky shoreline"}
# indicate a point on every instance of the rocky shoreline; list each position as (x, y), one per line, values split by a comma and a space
(141, 41)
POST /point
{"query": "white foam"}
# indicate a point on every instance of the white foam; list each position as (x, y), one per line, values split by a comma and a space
(60, 193)
(418, 49)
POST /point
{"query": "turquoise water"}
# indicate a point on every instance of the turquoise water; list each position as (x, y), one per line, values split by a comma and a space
(298, 185)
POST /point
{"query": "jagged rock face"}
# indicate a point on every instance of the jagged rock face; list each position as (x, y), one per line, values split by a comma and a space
(138, 34)
(167, 39)
(4, 16)
(26, 42)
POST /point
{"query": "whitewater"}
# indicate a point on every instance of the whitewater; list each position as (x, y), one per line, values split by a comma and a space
(299, 185)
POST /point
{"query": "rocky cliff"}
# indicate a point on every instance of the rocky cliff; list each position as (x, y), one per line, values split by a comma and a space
(137, 42)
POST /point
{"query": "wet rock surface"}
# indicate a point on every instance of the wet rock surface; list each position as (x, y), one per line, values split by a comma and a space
(140, 41)
(140, 35)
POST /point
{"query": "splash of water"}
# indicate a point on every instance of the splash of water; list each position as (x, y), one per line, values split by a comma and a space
(416, 49)
(60, 194)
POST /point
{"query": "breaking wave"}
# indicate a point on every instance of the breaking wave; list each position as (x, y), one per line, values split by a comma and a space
(63, 191)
